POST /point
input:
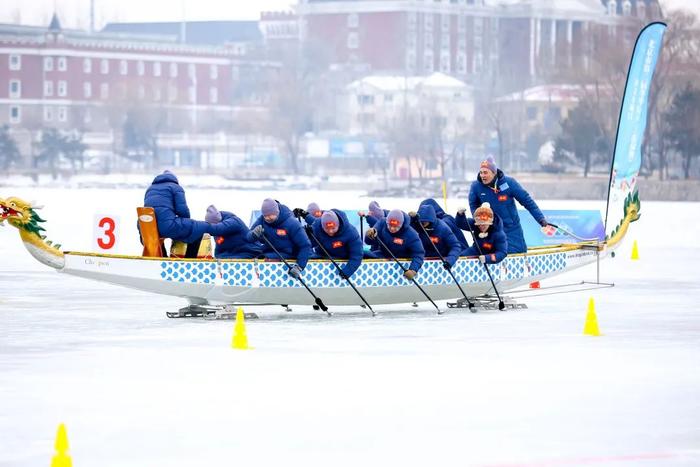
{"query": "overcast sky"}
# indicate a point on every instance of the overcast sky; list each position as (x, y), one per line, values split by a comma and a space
(75, 13)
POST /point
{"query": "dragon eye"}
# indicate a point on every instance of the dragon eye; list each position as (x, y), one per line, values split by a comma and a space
(13, 205)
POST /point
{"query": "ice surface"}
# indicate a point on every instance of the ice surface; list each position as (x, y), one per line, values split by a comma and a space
(405, 388)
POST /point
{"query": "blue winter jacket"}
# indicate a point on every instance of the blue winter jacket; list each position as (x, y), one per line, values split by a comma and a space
(371, 220)
(232, 243)
(310, 219)
(286, 234)
(167, 198)
(345, 244)
(501, 194)
(494, 247)
(403, 244)
(447, 219)
(439, 235)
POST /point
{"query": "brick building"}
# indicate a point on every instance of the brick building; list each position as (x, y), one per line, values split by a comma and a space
(74, 80)
(475, 40)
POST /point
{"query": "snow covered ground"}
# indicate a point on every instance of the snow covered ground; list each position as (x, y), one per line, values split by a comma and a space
(517, 388)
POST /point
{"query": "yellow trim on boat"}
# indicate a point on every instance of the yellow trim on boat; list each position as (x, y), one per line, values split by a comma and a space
(538, 250)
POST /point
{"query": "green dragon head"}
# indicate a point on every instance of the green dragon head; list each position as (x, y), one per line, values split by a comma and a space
(632, 208)
(20, 214)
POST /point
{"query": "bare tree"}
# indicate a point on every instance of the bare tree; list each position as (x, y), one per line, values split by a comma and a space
(293, 96)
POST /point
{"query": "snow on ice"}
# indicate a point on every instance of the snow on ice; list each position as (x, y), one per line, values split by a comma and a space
(516, 388)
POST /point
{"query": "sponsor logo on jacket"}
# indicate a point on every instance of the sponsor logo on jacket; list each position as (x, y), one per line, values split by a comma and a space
(337, 244)
(488, 246)
(502, 197)
(281, 232)
(435, 239)
(398, 241)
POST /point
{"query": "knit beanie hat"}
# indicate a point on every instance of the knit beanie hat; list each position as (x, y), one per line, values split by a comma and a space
(313, 209)
(270, 207)
(490, 164)
(213, 216)
(395, 218)
(375, 211)
(483, 215)
(330, 222)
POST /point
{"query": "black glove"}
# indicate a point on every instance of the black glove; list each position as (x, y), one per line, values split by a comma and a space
(295, 271)
(343, 275)
(258, 231)
(544, 223)
(446, 265)
(299, 212)
(308, 229)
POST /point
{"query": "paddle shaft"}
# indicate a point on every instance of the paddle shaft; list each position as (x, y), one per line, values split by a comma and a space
(442, 258)
(381, 243)
(347, 279)
(501, 305)
(571, 234)
(318, 301)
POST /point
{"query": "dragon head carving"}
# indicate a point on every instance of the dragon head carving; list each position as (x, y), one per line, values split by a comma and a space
(22, 215)
(632, 208)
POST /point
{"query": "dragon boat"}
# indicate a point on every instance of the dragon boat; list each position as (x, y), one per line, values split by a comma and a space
(205, 282)
(220, 282)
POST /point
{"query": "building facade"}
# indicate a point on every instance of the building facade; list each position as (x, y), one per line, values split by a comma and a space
(474, 40)
(91, 83)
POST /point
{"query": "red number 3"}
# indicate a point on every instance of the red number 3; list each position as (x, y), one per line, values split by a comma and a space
(107, 223)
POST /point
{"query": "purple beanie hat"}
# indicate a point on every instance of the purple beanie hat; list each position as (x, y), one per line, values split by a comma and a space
(329, 216)
(213, 216)
(270, 207)
(375, 211)
(312, 208)
(395, 216)
(490, 164)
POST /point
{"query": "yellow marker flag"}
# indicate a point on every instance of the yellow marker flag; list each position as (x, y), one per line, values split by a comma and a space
(444, 193)
(61, 458)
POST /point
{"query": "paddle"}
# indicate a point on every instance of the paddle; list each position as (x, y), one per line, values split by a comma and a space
(449, 270)
(318, 301)
(501, 305)
(340, 271)
(381, 243)
(571, 234)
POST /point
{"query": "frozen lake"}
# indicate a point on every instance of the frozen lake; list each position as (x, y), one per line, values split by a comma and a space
(516, 388)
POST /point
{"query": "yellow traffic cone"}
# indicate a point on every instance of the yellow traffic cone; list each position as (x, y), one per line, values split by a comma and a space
(240, 339)
(635, 251)
(61, 458)
(591, 327)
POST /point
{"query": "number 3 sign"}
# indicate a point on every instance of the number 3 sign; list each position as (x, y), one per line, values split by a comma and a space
(106, 232)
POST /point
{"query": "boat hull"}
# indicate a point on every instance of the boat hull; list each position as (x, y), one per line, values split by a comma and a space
(267, 282)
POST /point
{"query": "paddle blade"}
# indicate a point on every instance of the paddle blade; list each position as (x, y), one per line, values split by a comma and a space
(321, 305)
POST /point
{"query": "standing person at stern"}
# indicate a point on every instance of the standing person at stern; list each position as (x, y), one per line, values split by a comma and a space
(500, 191)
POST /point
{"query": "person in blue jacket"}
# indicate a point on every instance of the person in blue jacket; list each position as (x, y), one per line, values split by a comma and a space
(435, 234)
(375, 213)
(447, 219)
(490, 241)
(232, 242)
(340, 239)
(167, 198)
(310, 215)
(500, 191)
(284, 232)
(396, 233)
